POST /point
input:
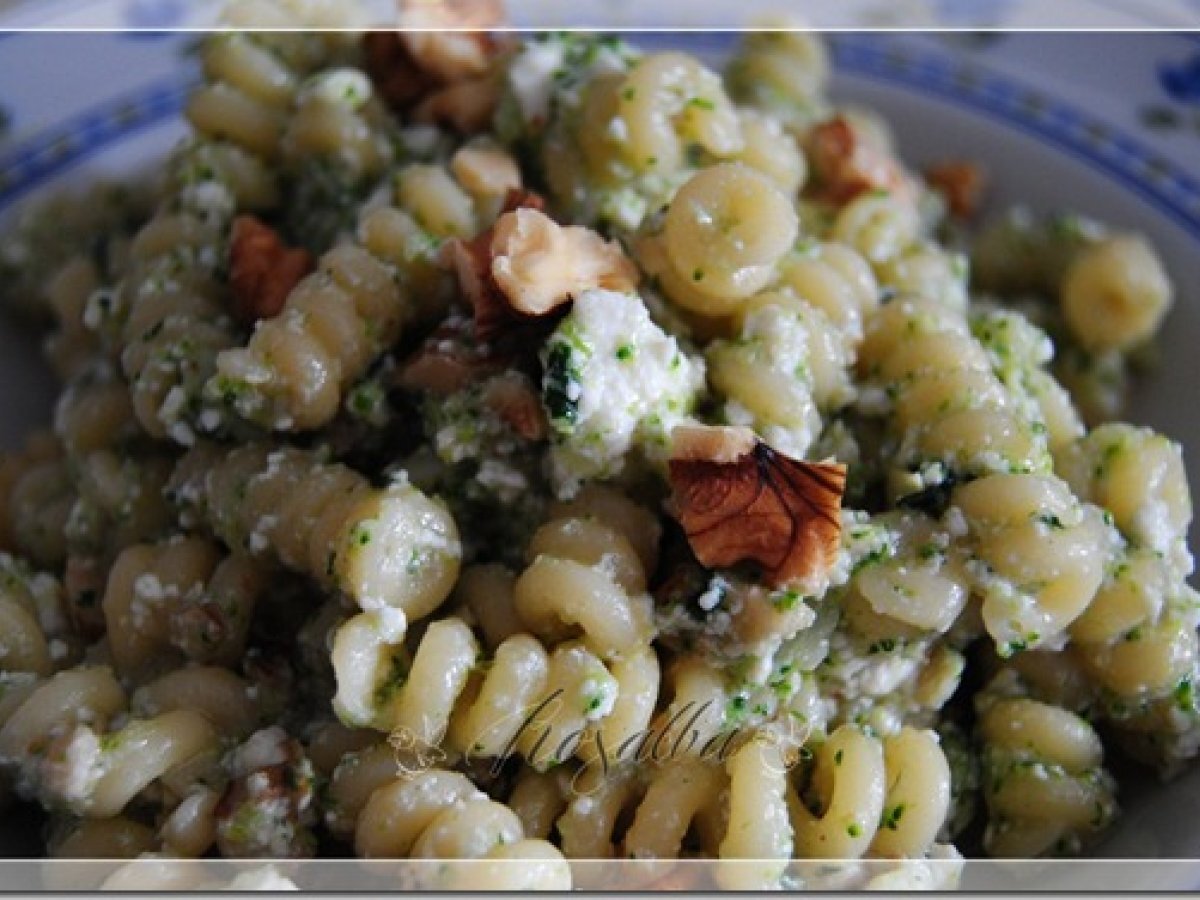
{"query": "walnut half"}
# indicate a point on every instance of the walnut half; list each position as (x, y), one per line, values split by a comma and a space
(539, 264)
(737, 499)
(527, 266)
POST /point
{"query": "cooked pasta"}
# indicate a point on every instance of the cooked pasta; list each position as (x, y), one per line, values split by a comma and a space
(951, 413)
(296, 367)
(526, 450)
(38, 497)
(1040, 555)
(440, 814)
(182, 599)
(392, 547)
(1045, 786)
(888, 797)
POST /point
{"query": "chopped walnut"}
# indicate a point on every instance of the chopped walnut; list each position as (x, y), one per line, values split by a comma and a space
(495, 317)
(393, 71)
(539, 264)
(466, 107)
(440, 72)
(262, 269)
(726, 444)
(449, 361)
(844, 165)
(516, 402)
(738, 499)
(267, 809)
(453, 41)
(961, 182)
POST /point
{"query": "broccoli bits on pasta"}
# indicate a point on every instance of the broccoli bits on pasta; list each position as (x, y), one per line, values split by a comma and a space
(497, 451)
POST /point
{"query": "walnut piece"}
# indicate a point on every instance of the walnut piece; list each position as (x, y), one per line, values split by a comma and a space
(449, 361)
(495, 318)
(845, 165)
(436, 69)
(262, 269)
(452, 42)
(738, 499)
(513, 398)
(267, 809)
(961, 182)
(539, 264)
(465, 106)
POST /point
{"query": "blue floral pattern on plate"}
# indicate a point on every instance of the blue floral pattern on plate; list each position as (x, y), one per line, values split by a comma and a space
(1182, 80)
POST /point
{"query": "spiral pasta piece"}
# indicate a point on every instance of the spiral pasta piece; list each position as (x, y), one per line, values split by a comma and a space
(437, 814)
(169, 316)
(783, 72)
(1138, 476)
(252, 78)
(37, 496)
(297, 366)
(72, 346)
(887, 797)
(735, 808)
(1020, 353)
(722, 236)
(169, 309)
(338, 118)
(584, 574)
(438, 693)
(390, 547)
(879, 226)
(786, 365)
(182, 599)
(951, 411)
(1044, 782)
(644, 120)
(1040, 555)
(35, 636)
(58, 738)
(660, 807)
(118, 475)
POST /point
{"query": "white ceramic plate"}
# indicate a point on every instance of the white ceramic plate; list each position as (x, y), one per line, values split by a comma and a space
(1108, 125)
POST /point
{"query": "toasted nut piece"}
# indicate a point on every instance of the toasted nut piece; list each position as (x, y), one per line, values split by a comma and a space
(267, 808)
(518, 405)
(449, 361)
(395, 74)
(761, 505)
(961, 182)
(519, 198)
(262, 269)
(844, 165)
(465, 106)
(495, 318)
(721, 444)
(450, 55)
(444, 75)
(486, 171)
(538, 264)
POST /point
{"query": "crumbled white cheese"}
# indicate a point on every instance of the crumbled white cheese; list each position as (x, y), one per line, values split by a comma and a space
(628, 385)
(74, 778)
(531, 77)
